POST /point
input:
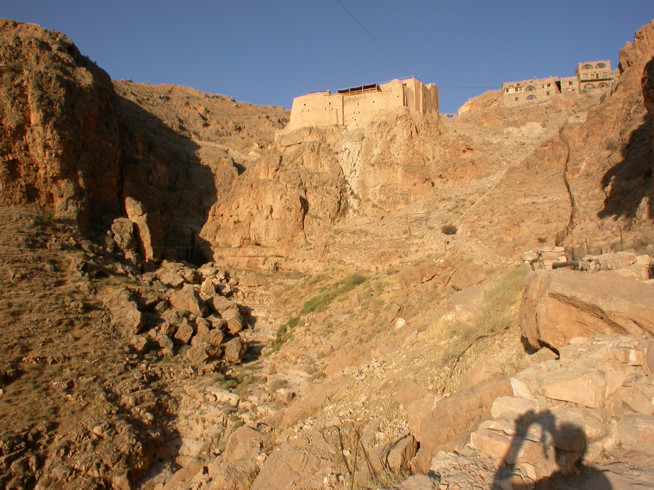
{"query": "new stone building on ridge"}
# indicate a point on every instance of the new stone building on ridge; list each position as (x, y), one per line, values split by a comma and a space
(356, 107)
(590, 77)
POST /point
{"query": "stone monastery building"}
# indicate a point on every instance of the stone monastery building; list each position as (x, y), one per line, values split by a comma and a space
(590, 76)
(356, 107)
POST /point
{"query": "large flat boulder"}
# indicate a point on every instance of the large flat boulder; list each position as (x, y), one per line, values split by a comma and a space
(560, 305)
(448, 425)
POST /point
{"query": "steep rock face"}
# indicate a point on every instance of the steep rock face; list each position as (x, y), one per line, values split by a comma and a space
(648, 96)
(89, 150)
(311, 177)
(59, 136)
(589, 176)
(181, 152)
(609, 163)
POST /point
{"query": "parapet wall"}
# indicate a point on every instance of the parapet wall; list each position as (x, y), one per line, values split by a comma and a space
(357, 107)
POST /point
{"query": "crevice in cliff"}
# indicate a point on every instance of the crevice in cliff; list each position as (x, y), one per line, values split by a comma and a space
(572, 220)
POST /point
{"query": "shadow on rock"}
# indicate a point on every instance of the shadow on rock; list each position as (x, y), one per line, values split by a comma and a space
(543, 454)
(630, 181)
(160, 169)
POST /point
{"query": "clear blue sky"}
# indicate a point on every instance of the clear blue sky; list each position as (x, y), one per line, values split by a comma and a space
(269, 51)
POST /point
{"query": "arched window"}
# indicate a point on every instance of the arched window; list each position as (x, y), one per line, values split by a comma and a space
(531, 97)
(531, 88)
(587, 67)
(600, 65)
(603, 85)
(589, 86)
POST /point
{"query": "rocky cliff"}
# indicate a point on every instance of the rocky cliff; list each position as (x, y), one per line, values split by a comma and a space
(60, 126)
(90, 150)
(357, 374)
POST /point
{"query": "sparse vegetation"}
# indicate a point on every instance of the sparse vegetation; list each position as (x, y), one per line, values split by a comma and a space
(498, 313)
(449, 229)
(317, 303)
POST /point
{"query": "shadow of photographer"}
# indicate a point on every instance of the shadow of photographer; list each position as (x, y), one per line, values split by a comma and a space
(543, 454)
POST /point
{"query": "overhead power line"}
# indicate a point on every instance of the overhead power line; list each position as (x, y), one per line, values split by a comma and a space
(404, 70)
(465, 87)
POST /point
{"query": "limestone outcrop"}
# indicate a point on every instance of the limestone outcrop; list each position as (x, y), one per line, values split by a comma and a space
(559, 305)
(312, 177)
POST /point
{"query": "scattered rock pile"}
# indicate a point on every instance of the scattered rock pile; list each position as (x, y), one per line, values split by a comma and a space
(184, 310)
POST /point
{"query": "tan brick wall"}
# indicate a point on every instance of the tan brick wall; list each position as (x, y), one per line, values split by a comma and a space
(357, 110)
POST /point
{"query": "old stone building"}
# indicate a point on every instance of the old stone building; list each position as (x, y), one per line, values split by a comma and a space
(514, 93)
(356, 107)
(595, 75)
(590, 76)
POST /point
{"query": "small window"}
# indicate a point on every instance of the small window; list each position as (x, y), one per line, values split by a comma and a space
(531, 97)
(569, 83)
(587, 67)
(603, 84)
(589, 86)
(549, 93)
(600, 65)
(516, 98)
(531, 88)
(549, 84)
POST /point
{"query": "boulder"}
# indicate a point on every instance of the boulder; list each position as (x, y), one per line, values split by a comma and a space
(221, 304)
(148, 227)
(122, 230)
(587, 388)
(169, 275)
(452, 419)
(217, 323)
(184, 332)
(235, 350)
(125, 315)
(165, 343)
(234, 320)
(202, 325)
(207, 289)
(637, 432)
(140, 343)
(534, 442)
(466, 274)
(201, 353)
(512, 407)
(214, 337)
(187, 299)
(560, 305)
